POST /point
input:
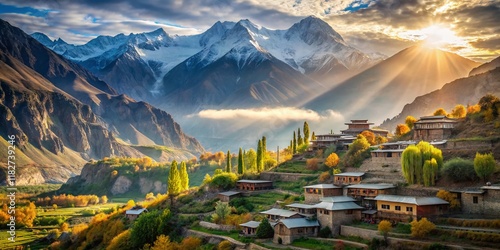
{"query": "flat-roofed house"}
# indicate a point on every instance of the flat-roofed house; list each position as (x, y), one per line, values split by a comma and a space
(135, 212)
(328, 140)
(402, 208)
(307, 210)
(390, 152)
(483, 200)
(355, 127)
(348, 178)
(275, 214)
(288, 230)
(228, 195)
(366, 192)
(430, 128)
(253, 185)
(250, 228)
(337, 210)
(314, 193)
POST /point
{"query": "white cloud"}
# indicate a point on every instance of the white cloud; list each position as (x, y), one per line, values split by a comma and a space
(281, 114)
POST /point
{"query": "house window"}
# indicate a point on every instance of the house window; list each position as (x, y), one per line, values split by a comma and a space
(326, 212)
(386, 206)
(409, 209)
(398, 208)
(348, 211)
(475, 199)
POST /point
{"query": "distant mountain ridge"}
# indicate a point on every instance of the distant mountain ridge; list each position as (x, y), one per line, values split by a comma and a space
(142, 65)
(383, 89)
(465, 91)
(63, 115)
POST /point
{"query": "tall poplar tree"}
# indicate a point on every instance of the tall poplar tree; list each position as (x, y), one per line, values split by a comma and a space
(300, 141)
(306, 133)
(174, 182)
(241, 163)
(294, 145)
(183, 174)
(264, 146)
(313, 136)
(228, 162)
(260, 160)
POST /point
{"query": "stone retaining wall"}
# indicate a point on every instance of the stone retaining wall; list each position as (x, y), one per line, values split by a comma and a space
(210, 225)
(277, 176)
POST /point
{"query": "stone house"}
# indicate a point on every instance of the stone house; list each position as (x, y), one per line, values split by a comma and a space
(348, 178)
(484, 200)
(313, 193)
(390, 152)
(327, 140)
(228, 196)
(366, 192)
(306, 210)
(430, 128)
(337, 210)
(275, 214)
(250, 228)
(135, 212)
(288, 230)
(404, 208)
(253, 185)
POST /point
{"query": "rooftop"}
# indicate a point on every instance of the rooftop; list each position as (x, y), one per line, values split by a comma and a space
(279, 212)
(438, 118)
(299, 222)
(322, 186)
(254, 224)
(372, 186)
(337, 199)
(136, 211)
(337, 206)
(357, 174)
(420, 201)
(229, 193)
(301, 205)
(254, 181)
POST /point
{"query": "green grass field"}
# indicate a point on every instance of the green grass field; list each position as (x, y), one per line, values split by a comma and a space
(296, 167)
(265, 201)
(23, 237)
(318, 244)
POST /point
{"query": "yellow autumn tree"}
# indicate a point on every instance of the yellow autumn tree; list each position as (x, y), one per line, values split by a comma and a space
(370, 137)
(332, 160)
(440, 111)
(402, 129)
(385, 227)
(459, 111)
(410, 121)
(421, 228)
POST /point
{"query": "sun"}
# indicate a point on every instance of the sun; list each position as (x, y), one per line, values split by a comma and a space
(439, 36)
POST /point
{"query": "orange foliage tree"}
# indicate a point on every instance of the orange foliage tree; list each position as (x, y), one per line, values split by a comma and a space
(370, 137)
(402, 129)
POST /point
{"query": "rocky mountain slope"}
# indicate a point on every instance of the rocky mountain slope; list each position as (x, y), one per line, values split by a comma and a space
(486, 67)
(63, 116)
(383, 89)
(465, 91)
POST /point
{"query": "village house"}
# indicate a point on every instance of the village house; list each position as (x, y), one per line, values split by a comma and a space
(228, 196)
(253, 185)
(406, 208)
(306, 210)
(366, 192)
(390, 152)
(275, 214)
(135, 212)
(348, 178)
(327, 140)
(250, 228)
(355, 127)
(430, 128)
(484, 200)
(337, 210)
(313, 193)
(288, 230)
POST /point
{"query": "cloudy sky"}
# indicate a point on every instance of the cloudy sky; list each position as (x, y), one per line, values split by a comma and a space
(469, 28)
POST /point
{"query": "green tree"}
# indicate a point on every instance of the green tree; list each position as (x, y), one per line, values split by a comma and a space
(150, 225)
(241, 163)
(300, 141)
(306, 133)
(294, 145)
(413, 163)
(428, 172)
(291, 146)
(260, 157)
(174, 180)
(184, 176)
(459, 170)
(265, 230)
(228, 162)
(264, 147)
(251, 160)
(410, 121)
(357, 153)
(313, 136)
(485, 165)
(411, 159)
(222, 210)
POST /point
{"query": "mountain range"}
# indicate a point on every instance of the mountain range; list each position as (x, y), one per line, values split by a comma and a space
(63, 115)
(231, 64)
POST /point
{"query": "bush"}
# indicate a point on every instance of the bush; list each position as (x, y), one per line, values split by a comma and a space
(376, 244)
(224, 181)
(324, 177)
(312, 164)
(225, 245)
(325, 232)
(458, 170)
(421, 228)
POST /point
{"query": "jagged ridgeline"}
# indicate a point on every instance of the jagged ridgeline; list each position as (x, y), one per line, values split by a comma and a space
(64, 116)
